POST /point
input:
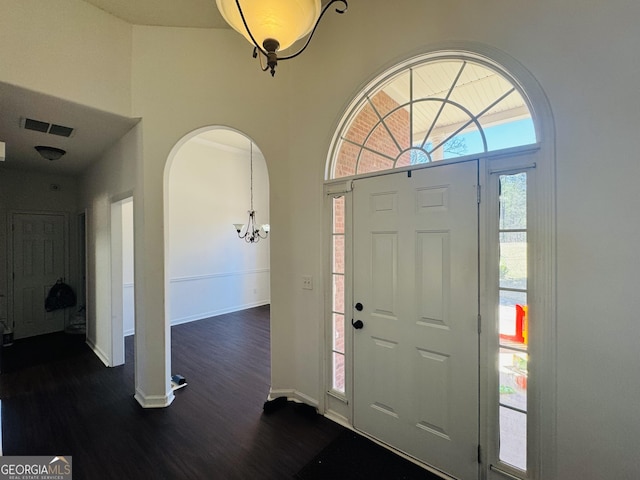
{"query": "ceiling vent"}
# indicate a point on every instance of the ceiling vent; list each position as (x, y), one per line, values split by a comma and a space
(44, 127)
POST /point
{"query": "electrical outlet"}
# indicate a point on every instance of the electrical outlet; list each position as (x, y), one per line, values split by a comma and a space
(307, 282)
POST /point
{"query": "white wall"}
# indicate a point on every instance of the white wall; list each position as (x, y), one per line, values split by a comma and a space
(211, 271)
(173, 104)
(68, 49)
(110, 179)
(128, 299)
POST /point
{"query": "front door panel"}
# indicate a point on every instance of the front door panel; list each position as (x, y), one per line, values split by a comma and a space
(416, 273)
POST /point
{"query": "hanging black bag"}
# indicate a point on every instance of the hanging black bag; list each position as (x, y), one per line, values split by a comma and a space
(60, 296)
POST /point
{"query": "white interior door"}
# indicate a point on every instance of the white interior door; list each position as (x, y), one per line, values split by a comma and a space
(38, 261)
(416, 277)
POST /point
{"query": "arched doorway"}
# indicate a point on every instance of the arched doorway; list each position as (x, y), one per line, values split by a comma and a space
(210, 271)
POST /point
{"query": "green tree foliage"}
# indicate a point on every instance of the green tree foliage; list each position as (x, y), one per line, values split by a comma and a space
(513, 201)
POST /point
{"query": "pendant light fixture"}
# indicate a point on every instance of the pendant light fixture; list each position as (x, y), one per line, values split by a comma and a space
(252, 232)
(274, 25)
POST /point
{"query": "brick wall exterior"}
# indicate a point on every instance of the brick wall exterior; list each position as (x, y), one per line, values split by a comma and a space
(389, 139)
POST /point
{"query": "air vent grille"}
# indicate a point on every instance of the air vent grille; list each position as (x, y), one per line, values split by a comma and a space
(60, 130)
(36, 125)
(52, 128)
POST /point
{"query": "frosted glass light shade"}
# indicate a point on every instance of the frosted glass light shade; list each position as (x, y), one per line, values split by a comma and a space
(266, 227)
(283, 20)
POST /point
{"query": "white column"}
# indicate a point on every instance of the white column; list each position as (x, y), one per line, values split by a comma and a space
(152, 328)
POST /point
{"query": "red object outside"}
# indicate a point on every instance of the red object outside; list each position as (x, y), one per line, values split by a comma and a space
(521, 326)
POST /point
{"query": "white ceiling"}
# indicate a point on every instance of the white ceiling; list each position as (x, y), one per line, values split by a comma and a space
(94, 131)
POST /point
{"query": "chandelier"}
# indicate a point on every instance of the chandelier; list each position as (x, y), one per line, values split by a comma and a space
(273, 25)
(252, 232)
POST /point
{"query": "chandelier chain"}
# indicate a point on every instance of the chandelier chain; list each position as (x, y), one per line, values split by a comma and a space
(252, 231)
(251, 173)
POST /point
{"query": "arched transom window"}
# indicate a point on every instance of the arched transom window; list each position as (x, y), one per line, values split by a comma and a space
(431, 110)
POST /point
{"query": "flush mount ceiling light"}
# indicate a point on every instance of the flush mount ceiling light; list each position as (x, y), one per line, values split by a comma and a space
(50, 153)
(274, 25)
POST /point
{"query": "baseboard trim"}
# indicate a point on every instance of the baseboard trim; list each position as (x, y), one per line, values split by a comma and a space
(99, 353)
(294, 396)
(153, 401)
(215, 313)
(203, 316)
(339, 419)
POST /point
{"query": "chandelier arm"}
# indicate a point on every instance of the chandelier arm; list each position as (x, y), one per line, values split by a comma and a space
(255, 44)
(338, 10)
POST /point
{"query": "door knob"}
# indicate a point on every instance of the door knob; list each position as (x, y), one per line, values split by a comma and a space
(358, 324)
(359, 306)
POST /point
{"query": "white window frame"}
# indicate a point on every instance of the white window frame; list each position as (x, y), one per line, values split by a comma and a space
(489, 419)
(337, 404)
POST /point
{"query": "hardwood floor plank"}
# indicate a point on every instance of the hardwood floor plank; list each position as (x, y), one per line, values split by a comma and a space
(214, 429)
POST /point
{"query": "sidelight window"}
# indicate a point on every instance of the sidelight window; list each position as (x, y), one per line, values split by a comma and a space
(338, 310)
(513, 320)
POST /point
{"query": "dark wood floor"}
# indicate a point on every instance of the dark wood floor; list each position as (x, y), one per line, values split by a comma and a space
(215, 428)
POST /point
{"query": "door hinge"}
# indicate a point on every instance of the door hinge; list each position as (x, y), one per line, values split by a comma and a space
(479, 454)
(479, 192)
(479, 324)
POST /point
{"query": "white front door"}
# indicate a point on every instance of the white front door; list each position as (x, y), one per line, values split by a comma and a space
(38, 261)
(416, 278)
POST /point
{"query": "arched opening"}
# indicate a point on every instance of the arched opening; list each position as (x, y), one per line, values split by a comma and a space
(210, 270)
(210, 179)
